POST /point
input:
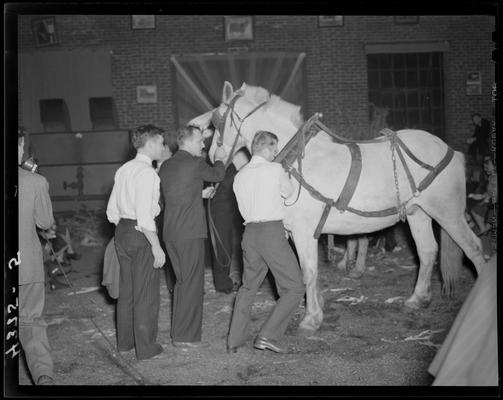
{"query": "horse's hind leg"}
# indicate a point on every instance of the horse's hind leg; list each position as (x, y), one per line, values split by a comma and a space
(349, 255)
(459, 230)
(307, 249)
(422, 231)
(359, 269)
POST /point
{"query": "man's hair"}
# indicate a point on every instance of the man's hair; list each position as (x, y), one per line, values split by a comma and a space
(263, 139)
(185, 134)
(143, 133)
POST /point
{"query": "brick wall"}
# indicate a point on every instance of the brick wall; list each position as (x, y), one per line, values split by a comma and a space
(335, 63)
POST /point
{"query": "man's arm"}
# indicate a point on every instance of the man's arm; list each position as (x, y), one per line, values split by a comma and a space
(147, 198)
(44, 218)
(112, 210)
(210, 173)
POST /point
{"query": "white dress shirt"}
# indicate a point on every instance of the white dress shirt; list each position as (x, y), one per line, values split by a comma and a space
(135, 194)
(260, 187)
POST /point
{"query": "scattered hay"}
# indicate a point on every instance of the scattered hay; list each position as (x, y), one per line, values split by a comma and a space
(88, 227)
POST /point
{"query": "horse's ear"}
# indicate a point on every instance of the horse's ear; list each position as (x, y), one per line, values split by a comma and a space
(243, 87)
(227, 92)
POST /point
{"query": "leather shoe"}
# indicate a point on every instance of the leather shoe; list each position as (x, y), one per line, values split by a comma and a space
(190, 345)
(263, 343)
(45, 380)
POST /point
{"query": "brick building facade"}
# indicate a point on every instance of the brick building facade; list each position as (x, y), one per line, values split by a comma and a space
(335, 70)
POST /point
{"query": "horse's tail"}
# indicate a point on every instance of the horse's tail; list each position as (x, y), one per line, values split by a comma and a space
(451, 259)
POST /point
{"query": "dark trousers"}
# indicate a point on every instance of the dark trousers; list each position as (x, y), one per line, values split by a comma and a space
(266, 247)
(187, 259)
(139, 292)
(224, 220)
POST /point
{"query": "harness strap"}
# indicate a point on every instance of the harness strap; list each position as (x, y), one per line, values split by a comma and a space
(322, 221)
(352, 180)
(411, 155)
(287, 152)
(436, 170)
(407, 170)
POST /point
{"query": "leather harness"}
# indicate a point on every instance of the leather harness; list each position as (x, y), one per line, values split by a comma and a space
(294, 151)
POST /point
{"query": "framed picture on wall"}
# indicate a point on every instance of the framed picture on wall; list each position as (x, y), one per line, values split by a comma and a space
(238, 28)
(146, 94)
(143, 21)
(330, 20)
(406, 19)
(44, 31)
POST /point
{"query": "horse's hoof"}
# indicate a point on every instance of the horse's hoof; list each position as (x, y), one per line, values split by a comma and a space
(355, 274)
(305, 332)
(416, 304)
(341, 268)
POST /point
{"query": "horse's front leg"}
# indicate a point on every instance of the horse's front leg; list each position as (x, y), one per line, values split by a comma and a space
(307, 249)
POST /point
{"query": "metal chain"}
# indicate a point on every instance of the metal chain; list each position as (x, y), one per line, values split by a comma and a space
(400, 207)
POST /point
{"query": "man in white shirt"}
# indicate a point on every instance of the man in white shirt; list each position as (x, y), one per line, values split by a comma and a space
(260, 188)
(132, 207)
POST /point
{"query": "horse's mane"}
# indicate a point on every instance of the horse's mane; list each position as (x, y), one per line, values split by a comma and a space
(276, 103)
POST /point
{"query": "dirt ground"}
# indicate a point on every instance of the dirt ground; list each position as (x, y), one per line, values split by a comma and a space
(366, 339)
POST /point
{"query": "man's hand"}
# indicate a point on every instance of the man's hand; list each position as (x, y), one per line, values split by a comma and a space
(220, 154)
(159, 256)
(209, 192)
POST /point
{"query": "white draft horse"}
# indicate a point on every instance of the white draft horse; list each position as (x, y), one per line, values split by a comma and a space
(383, 182)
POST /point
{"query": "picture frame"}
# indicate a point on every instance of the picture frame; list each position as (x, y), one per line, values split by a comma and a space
(238, 27)
(44, 31)
(406, 19)
(143, 21)
(146, 94)
(325, 21)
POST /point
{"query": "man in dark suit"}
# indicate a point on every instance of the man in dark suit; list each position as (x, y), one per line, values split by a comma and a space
(184, 231)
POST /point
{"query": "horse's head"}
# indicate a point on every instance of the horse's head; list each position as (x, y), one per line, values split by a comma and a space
(248, 110)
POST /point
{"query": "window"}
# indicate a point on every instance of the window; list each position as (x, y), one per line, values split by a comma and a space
(411, 85)
(54, 115)
(102, 113)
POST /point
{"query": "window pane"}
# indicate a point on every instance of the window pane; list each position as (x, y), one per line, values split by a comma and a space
(384, 61)
(386, 79)
(413, 118)
(424, 60)
(400, 79)
(101, 112)
(436, 97)
(412, 100)
(400, 100)
(54, 115)
(412, 79)
(399, 61)
(411, 61)
(386, 99)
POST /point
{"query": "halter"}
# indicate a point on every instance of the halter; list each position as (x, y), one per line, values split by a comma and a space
(220, 121)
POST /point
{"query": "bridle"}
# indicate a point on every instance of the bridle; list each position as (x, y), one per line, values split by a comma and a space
(220, 121)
